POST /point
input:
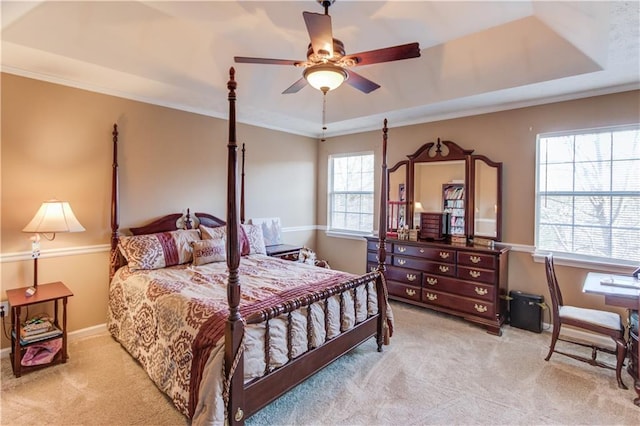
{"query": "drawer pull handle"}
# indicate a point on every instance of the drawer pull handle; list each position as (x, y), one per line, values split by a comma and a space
(444, 255)
(480, 308)
(481, 291)
(443, 268)
(402, 249)
(421, 250)
(410, 292)
(475, 259)
(411, 277)
(432, 296)
(474, 274)
(432, 281)
(401, 261)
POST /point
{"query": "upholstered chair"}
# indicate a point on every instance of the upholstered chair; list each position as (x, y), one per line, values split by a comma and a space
(590, 320)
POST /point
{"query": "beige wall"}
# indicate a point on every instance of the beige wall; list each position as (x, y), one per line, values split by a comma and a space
(509, 137)
(56, 142)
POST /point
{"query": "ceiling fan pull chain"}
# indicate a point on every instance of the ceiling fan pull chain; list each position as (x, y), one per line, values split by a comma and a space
(324, 114)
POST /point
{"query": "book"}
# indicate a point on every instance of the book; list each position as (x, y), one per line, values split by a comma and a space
(33, 329)
(37, 337)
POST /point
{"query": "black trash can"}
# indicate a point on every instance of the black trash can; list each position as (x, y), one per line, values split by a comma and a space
(525, 311)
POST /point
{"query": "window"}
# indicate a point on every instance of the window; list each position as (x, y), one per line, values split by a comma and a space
(351, 193)
(588, 194)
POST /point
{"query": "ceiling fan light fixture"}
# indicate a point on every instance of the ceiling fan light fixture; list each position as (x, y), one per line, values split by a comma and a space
(325, 77)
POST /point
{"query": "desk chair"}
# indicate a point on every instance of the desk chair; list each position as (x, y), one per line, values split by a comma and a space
(593, 320)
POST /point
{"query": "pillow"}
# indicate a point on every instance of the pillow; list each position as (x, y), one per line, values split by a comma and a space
(153, 251)
(250, 236)
(219, 232)
(208, 251)
(256, 239)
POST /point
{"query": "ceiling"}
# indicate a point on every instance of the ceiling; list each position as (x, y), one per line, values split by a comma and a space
(475, 56)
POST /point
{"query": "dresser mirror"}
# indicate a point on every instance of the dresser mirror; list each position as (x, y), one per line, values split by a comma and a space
(487, 211)
(442, 176)
(397, 196)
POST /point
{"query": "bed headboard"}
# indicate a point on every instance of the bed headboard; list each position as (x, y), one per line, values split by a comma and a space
(172, 222)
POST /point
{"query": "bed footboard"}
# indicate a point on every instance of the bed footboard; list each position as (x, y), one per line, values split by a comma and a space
(322, 346)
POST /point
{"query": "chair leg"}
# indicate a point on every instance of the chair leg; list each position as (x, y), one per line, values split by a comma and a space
(554, 338)
(621, 354)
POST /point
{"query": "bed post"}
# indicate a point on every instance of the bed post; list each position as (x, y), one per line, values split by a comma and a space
(242, 188)
(234, 332)
(115, 220)
(382, 236)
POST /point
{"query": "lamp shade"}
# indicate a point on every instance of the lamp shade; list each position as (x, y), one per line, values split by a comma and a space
(325, 77)
(418, 207)
(52, 217)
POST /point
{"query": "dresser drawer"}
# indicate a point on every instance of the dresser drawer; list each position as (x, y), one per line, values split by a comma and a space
(458, 303)
(441, 255)
(461, 288)
(403, 290)
(446, 269)
(374, 245)
(476, 274)
(372, 256)
(486, 261)
(408, 276)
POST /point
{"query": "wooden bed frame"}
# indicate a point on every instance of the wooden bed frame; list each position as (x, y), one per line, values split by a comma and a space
(242, 400)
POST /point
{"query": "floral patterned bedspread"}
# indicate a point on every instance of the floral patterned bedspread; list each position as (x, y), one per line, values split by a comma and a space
(157, 314)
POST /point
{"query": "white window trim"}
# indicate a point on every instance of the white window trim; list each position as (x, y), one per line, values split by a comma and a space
(576, 260)
(345, 233)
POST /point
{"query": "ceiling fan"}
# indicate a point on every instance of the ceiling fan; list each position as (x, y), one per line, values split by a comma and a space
(327, 66)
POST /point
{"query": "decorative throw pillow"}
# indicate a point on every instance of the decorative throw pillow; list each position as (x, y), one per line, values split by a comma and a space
(219, 232)
(208, 251)
(256, 239)
(250, 236)
(153, 251)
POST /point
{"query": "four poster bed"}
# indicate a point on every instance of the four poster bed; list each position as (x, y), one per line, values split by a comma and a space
(220, 327)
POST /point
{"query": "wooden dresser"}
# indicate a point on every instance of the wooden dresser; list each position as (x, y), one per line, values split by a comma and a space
(463, 280)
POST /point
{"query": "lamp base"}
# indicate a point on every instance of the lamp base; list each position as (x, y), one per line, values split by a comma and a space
(30, 291)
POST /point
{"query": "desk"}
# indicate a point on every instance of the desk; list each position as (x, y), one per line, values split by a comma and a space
(622, 297)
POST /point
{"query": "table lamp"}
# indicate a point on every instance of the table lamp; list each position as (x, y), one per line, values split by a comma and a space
(417, 209)
(53, 217)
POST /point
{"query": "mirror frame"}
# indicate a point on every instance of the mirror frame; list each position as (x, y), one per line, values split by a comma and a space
(450, 151)
(433, 152)
(472, 177)
(406, 183)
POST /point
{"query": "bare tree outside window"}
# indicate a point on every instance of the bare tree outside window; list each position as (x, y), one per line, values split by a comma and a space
(588, 194)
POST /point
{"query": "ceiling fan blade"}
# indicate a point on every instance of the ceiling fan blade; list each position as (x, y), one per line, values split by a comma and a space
(295, 87)
(245, 60)
(320, 33)
(387, 54)
(359, 82)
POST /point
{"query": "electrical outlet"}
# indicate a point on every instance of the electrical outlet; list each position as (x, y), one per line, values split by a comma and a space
(5, 307)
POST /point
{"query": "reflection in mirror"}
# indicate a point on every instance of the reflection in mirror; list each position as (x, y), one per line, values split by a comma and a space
(486, 200)
(429, 181)
(487, 211)
(397, 197)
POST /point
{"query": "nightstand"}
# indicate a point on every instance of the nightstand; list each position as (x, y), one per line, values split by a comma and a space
(52, 292)
(284, 251)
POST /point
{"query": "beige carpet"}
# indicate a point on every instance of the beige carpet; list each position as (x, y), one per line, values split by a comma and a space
(438, 370)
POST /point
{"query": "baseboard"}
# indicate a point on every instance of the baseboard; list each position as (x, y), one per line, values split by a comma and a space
(74, 335)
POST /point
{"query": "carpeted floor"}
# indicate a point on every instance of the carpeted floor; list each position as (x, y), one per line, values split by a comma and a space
(437, 370)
